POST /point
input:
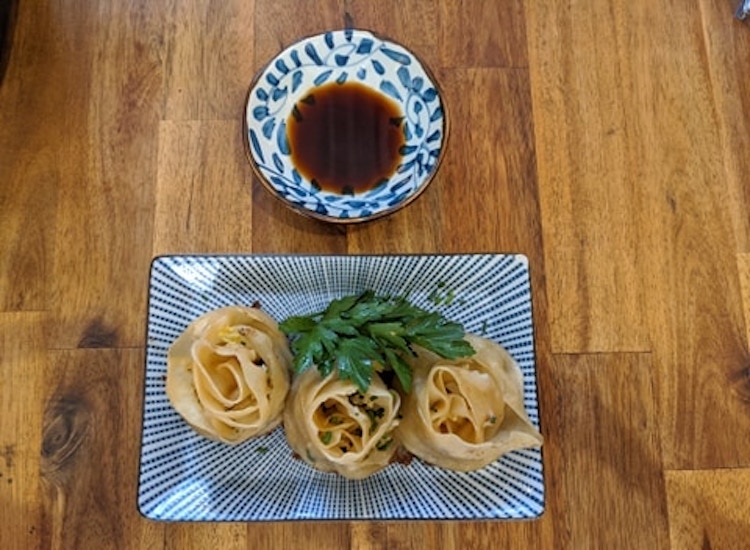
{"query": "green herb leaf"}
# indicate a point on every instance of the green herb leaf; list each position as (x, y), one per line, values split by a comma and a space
(355, 358)
(359, 332)
(313, 346)
(439, 336)
(400, 367)
(297, 324)
(337, 307)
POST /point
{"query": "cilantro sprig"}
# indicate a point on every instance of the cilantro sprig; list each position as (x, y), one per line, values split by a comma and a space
(357, 332)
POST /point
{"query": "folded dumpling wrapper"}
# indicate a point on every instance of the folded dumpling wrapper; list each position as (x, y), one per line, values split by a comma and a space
(334, 427)
(464, 414)
(228, 374)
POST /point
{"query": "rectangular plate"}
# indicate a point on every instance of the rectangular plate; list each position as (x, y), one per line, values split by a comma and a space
(186, 477)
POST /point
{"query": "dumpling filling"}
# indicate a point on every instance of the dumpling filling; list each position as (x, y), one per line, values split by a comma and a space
(336, 428)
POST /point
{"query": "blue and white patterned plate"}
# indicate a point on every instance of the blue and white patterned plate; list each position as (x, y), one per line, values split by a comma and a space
(184, 476)
(340, 57)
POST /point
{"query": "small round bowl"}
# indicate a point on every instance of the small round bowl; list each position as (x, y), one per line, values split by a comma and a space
(339, 57)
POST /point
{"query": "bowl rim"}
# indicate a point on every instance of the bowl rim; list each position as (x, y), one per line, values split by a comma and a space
(360, 219)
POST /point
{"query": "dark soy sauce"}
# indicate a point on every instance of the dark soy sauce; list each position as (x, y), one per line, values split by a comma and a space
(345, 138)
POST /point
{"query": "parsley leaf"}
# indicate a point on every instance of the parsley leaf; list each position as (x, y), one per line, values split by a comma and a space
(363, 332)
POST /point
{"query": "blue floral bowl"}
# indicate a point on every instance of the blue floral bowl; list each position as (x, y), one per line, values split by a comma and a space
(345, 56)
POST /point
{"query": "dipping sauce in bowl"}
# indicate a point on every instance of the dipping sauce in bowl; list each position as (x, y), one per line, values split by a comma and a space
(345, 126)
(345, 138)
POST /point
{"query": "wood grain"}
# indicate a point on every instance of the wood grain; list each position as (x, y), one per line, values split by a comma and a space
(688, 248)
(416, 23)
(202, 170)
(324, 534)
(404, 535)
(488, 178)
(728, 45)
(203, 83)
(397, 234)
(709, 509)
(276, 228)
(89, 450)
(483, 34)
(646, 148)
(106, 155)
(28, 163)
(743, 267)
(580, 61)
(29, 193)
(22, 366)
(232, 536)
(610, 426)
(605, 140)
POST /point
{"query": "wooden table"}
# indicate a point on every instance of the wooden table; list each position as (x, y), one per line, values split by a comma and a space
(607, 140)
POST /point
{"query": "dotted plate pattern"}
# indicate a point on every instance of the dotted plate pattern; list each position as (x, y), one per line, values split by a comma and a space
(185, 477)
